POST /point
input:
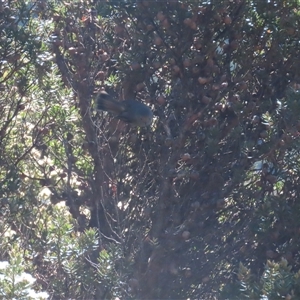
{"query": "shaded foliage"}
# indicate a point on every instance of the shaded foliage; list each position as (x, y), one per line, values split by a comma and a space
(177, 206)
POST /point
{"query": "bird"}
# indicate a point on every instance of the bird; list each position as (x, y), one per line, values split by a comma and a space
(130, 111)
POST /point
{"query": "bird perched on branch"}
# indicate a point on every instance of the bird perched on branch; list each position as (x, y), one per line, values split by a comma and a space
(129, 111)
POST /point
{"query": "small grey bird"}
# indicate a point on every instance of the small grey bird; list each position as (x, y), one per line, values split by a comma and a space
(129, 111)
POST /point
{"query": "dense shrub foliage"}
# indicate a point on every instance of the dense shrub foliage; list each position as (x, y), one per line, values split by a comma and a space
(202, 204)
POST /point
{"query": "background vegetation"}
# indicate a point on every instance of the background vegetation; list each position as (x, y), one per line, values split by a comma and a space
(204, 204)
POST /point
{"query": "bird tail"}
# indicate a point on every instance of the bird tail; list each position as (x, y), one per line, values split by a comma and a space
(106, 103)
